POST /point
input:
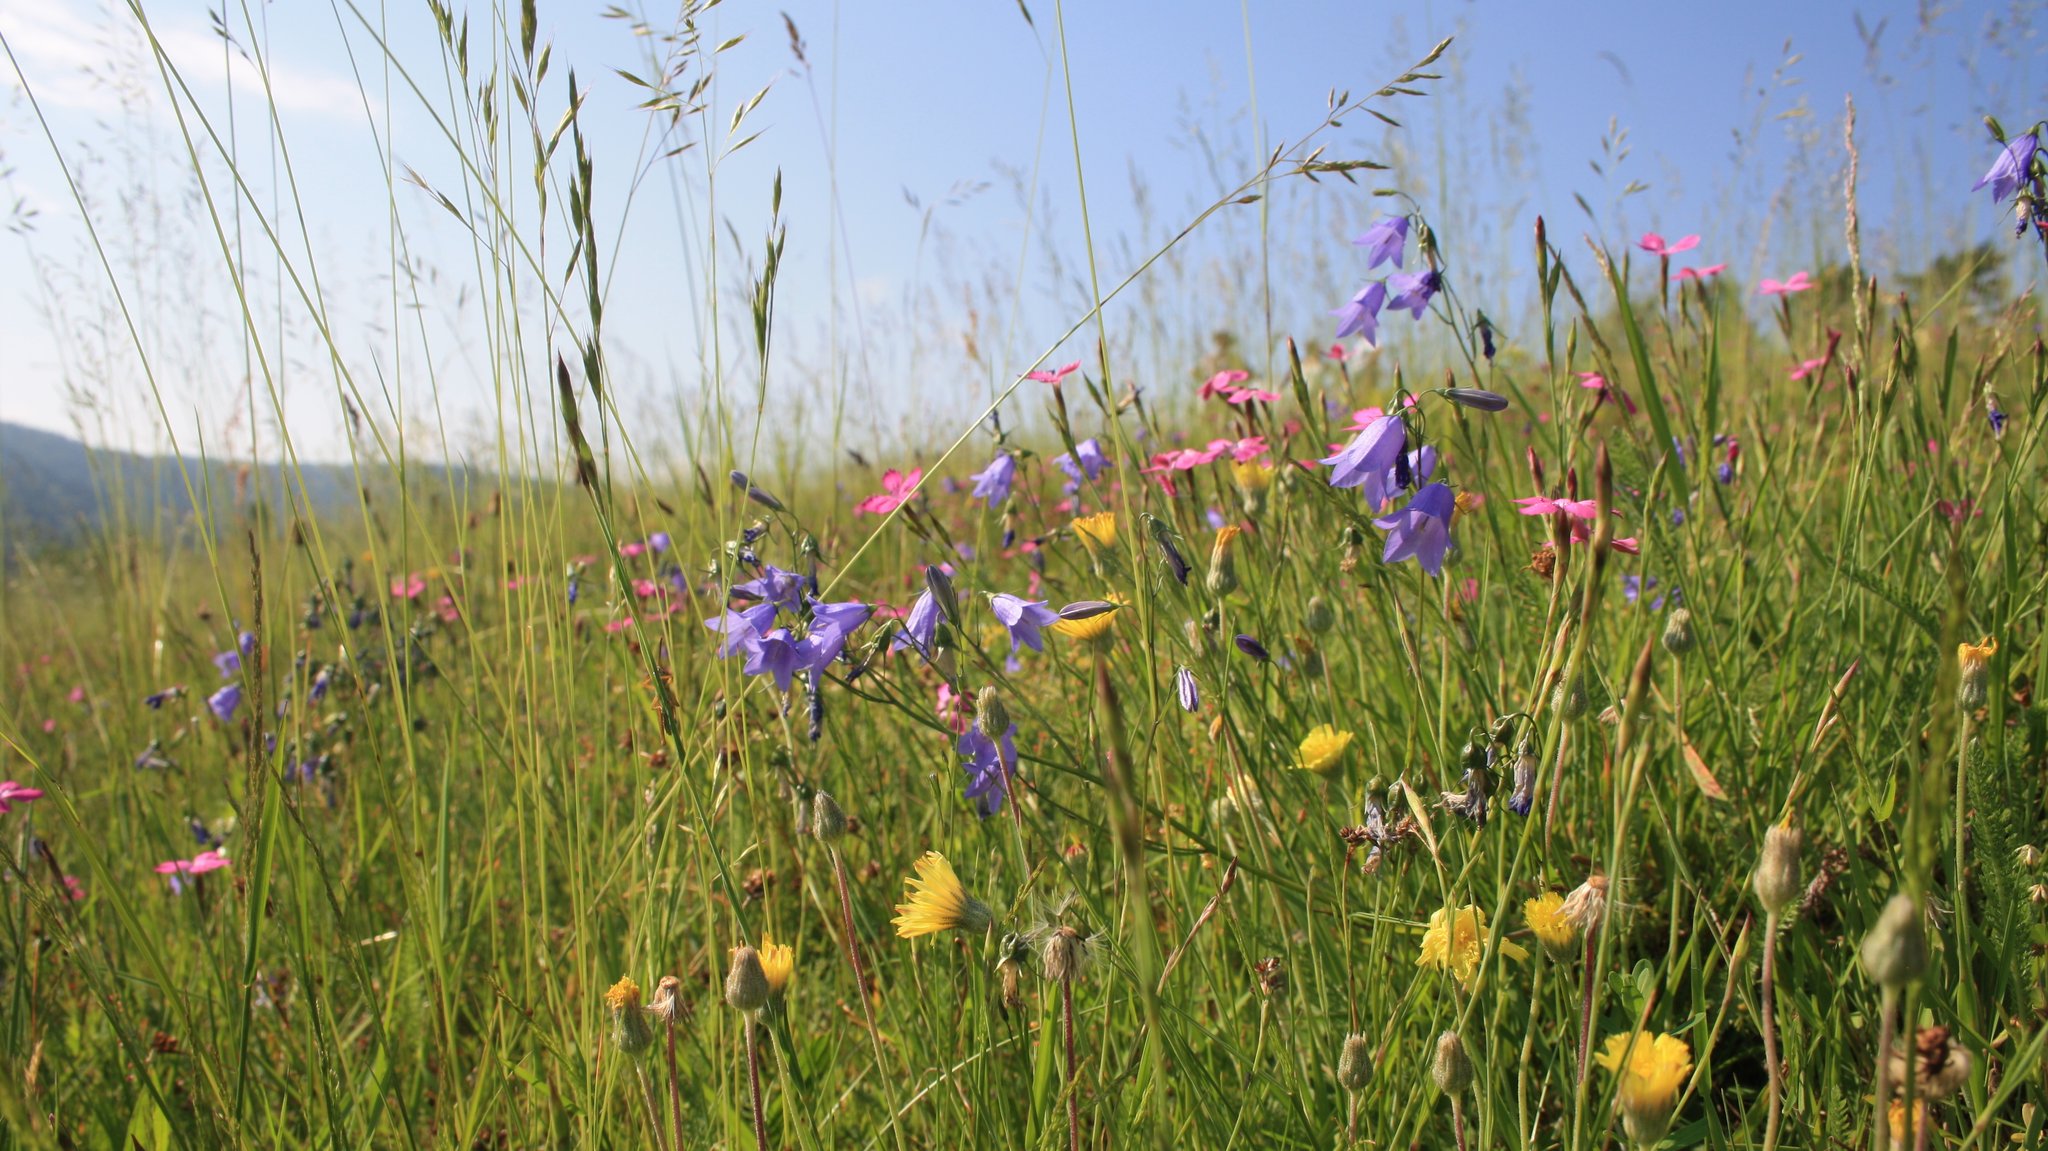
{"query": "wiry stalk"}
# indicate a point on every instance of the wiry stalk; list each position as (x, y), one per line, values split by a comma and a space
(754, 1084)
(1073, 1071)
(1774, 1067)
(675, 1088)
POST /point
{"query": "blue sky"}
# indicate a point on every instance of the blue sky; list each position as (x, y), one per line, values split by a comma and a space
(1731, 115)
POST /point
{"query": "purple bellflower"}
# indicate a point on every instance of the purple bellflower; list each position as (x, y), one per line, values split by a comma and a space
(1367, 460)
(225, 701)
(1413, 291)
(1022, 618)
(783, 589)
(1383, 241)
(1086, 458)
(984, 762)
(992, 483)
(1422, 529)
(1360, 315)
(920, 627)
(2011, 169)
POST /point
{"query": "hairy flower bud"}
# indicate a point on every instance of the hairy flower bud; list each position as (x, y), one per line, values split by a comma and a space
(1222, 567)
(1452, 1067)
(1678, 634)
(1570, 698)
(828, 821)
(1354, 1064)
(990, 714)
(1318, 617)
(1895, 952)
(1776, 879)
(746, 985)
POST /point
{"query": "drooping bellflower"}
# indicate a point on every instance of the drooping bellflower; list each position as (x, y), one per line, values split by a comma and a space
(1022, 618)
(1413, 291)
(2011, 169)
(983, 762)
(1360, 315)
(992, 483)
(1366, 461)
(1422, 529)
(1383, 241)
(1086, 460)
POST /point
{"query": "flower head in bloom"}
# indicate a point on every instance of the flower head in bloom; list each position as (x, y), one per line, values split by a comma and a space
(1456, 943)
(985, 764)
(12, 793)
(1658, 245)
(228, 663)
(934, 901)
(1544, 506)
(1994, 415)
(1547, 921)
(1055, 375)
(1086, 460)
(1251, 476)
(778, 963)
(920, 625)
(205, 861)
(659, 542)
(1701, 273)
(775, 587)
(225, 701)
(1422, 529)
(1322, 749)
(408, 587)
(1594, 381)
(1648, 1072)
(1807, 368)
(897, 488)
(2012, 168)
(1973, 671)
(155, 700)
(992, 483)
(1360, 315)
(1223, 383)
(630, 1031)
(1781, 288)
(1022, 618)
(1413, 291)
(736, 629)
(1097, 531)
(1366, 461)
(1383, 241)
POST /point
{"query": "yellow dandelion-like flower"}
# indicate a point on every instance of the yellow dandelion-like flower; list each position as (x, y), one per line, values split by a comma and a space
(1322, 749)
(1094, 627)
(623, 994)
(1098, 530)
(934, 901)
(1253, 476)
(1648, 1072)
(1974, 655)
(1552, 927)
(1895, 1118)
(1456, 942)
(1973, 662)
(778, 963)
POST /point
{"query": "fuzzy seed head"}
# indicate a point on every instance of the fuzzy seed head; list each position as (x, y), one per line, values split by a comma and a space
(990, 713)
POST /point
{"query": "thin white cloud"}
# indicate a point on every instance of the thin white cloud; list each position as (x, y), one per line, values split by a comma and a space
(78, 54)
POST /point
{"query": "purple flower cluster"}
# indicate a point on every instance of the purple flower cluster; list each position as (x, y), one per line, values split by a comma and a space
(1403, 291)
(777, 651)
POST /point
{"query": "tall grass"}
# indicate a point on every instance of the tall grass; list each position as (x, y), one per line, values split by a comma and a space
(486, 761)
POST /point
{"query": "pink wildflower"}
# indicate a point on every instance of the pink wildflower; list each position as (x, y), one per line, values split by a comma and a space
(897, 487)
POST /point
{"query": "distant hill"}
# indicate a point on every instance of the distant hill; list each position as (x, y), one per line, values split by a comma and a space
(54, 488)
